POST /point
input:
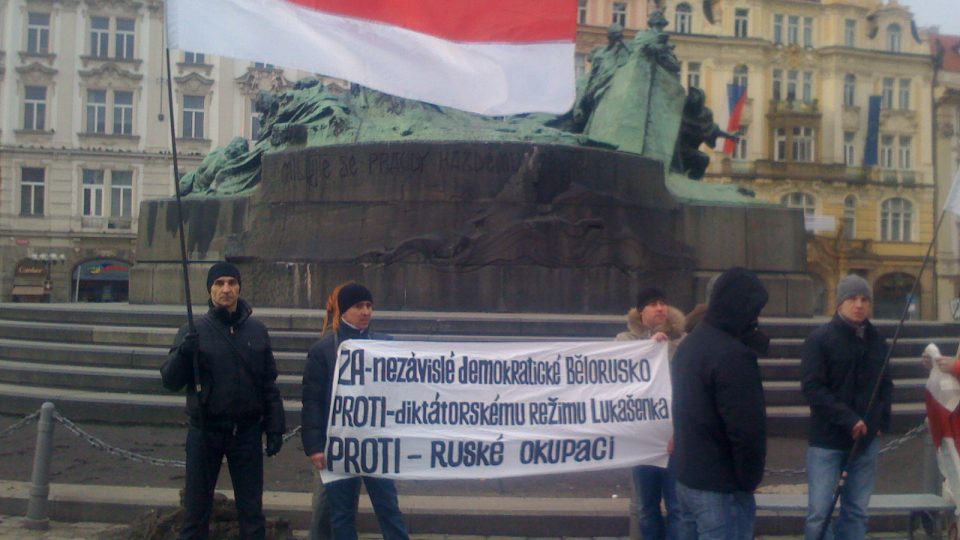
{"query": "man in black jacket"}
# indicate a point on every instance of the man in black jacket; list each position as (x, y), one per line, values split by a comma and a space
(719, 412)
(841, 363)
(349, 312)
(239, 401)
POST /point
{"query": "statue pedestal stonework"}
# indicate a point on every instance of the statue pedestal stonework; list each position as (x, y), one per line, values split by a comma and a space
(468, 227)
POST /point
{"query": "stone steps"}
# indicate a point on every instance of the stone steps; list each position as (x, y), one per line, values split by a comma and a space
(100, 362)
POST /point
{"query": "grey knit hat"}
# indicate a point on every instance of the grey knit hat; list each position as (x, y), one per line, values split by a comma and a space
(853, 285)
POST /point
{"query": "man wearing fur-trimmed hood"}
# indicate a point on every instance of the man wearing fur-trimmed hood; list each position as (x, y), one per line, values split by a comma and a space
(653, 318)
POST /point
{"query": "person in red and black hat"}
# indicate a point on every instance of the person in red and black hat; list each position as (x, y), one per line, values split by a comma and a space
(349, 312)
(239, 402)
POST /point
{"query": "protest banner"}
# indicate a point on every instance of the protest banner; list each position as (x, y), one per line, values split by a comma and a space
(434, 410)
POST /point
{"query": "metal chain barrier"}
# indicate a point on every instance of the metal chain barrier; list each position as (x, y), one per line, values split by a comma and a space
(27, 420)
(889, 447)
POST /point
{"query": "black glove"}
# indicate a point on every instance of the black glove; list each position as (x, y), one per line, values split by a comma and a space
(190, 344)
(274, 443)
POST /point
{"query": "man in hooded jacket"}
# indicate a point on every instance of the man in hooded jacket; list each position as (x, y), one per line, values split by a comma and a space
(239, 402)
(719, 412)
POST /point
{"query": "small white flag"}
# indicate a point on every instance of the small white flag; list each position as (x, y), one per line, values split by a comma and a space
(952, 203)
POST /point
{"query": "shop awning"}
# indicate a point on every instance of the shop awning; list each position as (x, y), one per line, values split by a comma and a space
(27, 290)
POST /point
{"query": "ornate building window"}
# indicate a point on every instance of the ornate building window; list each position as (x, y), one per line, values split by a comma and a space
(808, 31)
(850, 90)
(92, 203)
(904, 95)
(38, 33)
(779, 144)
(896, 219)
(684, 19)
(886, 93)
(121, 194)
(850, 32)
(194, 58)
(893, 38)
(31, 191)
(122, 112)
(793, 30)
(741, 75)
(99, 37)
(96, 111)
(740, 150)
(777, 84)
(850, 217)
(803, 144)
(193, 117)
(886, 151)
(798, 199)
(35, 108)
(693, 75)
(741, 22)
(255, 126)
(849, 149)
(620, 13)
(125, 39)
(778, 29)
(582, 12)
(906, 152)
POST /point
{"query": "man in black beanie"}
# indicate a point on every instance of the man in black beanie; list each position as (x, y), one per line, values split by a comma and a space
(238, 403)
(841, 363)
(349, 312)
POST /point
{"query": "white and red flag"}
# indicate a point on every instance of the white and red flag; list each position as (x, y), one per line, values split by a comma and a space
(492, 57)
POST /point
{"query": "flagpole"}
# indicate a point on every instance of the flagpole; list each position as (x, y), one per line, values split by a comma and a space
(876, 387)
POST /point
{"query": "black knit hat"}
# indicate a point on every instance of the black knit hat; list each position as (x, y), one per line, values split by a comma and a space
(351, 295)
(648, 295)
(222, 269)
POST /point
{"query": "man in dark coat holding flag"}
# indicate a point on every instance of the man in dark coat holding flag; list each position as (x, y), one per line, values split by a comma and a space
(238, 403)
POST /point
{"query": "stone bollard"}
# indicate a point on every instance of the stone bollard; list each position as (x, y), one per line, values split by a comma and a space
(37, 518)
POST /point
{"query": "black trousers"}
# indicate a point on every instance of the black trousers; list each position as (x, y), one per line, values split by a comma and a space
(243, 450)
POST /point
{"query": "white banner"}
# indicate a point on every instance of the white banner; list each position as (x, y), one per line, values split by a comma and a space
(433, 410)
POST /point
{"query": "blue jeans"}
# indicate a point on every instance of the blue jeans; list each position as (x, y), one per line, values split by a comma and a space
(714, 515)
(343, 496)
(651, 484)
(823, 471)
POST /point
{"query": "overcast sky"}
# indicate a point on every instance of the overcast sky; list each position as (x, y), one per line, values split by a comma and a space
(942, 13)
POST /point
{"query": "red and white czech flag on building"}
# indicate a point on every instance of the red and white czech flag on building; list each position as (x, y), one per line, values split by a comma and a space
(492, 57)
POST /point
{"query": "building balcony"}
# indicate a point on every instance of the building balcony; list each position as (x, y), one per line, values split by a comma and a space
(792, 107)
(827, 172)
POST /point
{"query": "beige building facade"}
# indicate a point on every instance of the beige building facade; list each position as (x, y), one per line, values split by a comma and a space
(810, 69)
(85, 137)
(946, 133)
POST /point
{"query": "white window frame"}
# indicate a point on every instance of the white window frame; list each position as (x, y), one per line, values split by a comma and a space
(894, 38)
(32, 196)
(808, 31)
(778, 29)
(91, 197)
(121, 194)
(620, 14)
(850, 216)
(582, 12)
(850, 149)
(777, 89)
(886, 151)
(849, 90)
(38, 32)
(693, 74)
(793, 29)
(194, 58)
(99, 36)
(123, 113)
(741, 22)
(905, 151)
(740, 148)
(192, 126)
(684, 18)
(741, 75)
(803, 144)
(886, 93)
(896, 220)
(801, 200)
(96, 112)
(807, 91)
(125, 39)
(779, 144)
(850, 32)
(903, 96)
(34, 109)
